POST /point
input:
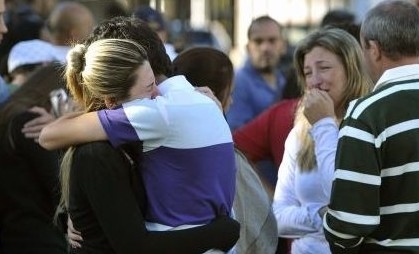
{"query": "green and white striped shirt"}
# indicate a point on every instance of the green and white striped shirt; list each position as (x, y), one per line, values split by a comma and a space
(374, 204)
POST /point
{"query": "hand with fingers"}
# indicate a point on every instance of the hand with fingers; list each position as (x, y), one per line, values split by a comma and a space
(32, 129)
(318, 105)
(74, 236)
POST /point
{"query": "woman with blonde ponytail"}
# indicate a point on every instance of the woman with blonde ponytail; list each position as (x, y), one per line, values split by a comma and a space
(329, 66)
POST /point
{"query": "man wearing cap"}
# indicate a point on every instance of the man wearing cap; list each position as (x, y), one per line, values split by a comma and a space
(25, 57)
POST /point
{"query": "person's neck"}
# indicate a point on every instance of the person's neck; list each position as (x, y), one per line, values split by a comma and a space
(338, 120)
(339, 115)
(390, 64)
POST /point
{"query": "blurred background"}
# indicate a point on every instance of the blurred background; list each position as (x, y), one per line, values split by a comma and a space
(224, 23)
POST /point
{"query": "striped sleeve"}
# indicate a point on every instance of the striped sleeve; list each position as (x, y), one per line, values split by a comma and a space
(356, 183)
(138, 120)
(372, 204)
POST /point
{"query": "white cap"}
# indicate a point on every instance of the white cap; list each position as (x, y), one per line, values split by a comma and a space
(30, 52)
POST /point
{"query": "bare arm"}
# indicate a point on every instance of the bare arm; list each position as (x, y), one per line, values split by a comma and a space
(72, 129)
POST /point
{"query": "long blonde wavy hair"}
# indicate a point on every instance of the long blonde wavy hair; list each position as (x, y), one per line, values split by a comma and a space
(348, 50)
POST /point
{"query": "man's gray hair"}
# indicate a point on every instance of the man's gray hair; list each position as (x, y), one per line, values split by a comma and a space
(394, 25)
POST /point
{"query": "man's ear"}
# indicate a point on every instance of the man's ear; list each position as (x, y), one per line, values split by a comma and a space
(375, 50)
(110, 102)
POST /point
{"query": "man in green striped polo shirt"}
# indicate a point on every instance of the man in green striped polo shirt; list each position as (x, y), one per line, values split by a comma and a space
(374, 205)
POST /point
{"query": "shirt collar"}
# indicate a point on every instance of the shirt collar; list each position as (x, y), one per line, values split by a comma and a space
(175, 83)
(404, 72)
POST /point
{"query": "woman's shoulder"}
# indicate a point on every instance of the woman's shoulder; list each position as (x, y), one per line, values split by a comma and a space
(98, 158)
(96, 145)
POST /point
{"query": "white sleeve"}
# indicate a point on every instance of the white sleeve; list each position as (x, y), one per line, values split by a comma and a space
(293, 219)
(325, 134)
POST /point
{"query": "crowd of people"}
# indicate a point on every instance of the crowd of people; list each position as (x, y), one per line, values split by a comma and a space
(112, 142)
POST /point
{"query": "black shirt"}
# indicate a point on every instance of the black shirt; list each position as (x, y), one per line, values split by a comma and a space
(29, 193)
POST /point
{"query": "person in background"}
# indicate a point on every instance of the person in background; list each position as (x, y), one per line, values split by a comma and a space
(156, 21)
(41, 7)
(25, 20)
(342, 19)
(206, 66)
(29, 182)
(329, 66)
(25, 57)
(373, 206)
(263, 138)
(4, 91)
(69, 22)
(259, 83)
(338, 16)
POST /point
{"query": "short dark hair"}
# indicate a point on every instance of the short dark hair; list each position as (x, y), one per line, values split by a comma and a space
(206, 66)
(338, 16)
(132, 28)
(260, 20)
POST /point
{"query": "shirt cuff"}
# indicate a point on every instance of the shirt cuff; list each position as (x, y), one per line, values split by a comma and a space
(322, 122)
(313, 211)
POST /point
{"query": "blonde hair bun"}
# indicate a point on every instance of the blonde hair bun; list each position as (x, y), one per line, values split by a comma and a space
(76, 58)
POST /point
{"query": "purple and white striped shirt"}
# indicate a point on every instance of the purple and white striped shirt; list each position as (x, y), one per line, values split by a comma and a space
(189, 166)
